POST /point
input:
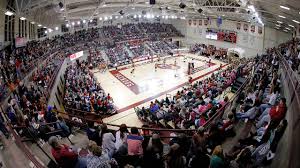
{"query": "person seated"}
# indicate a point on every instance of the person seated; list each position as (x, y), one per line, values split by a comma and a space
(97, 158)
(93, 133)
(269, 101)
(64, 155)
(274, 114)
(217, 158)
(135, 149)
(250, 114)
(226, 124)
(61, 124)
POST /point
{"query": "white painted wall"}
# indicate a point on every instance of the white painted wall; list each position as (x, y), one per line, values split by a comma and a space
(252, 43)
(2, 21)
(274, 37)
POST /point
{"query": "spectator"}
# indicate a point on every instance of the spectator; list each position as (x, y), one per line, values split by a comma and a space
(64, 155)
(154, 153)
(175, 158)
(108, 141)
(121, 136)
(97, 159)
(61, 124)
(135, 150)
(217, 158)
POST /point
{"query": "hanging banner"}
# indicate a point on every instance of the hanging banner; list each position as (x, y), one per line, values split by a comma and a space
(205, 22)
(219, 21)
(259, 30)
(252, 28)
(20, 42)
(76, 55)
(190, 22)
(238, 25)
(245, 27)
(195, 22)
(200, 22)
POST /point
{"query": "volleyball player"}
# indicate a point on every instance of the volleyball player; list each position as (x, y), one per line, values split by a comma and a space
(133, 67)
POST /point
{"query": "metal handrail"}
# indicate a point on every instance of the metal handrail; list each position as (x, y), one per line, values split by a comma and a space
(292, 81)
(218, 114)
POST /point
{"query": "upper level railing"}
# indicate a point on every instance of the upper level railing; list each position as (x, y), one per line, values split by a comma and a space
(291, 86)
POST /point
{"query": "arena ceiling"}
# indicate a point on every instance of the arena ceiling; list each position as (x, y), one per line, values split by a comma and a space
(50, 13)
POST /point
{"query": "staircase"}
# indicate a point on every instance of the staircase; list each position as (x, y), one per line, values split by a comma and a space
(237, 84)
(104, 56)
(129, 51)
(148, 47)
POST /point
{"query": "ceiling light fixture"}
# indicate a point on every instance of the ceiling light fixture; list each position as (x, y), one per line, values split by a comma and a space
(78, 22)
(73, 23)
(39, 25)
(8, 13)
(281, 16)
(45, 27)
(67, 25)
(50, 30)
(260, 21)
(46, 32)
(104, 5)
(291, 26)
(32, 22)
(83, 21)
(296, 21)
(22, 18)
(278, 25)
(134, 16)
(91, 20)
(252, 8)
(287, 28)
(104, 18)
(284, 7)
(56, 28)
(279, 22)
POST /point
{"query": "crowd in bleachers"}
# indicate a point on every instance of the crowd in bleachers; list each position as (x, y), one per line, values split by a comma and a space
(27, 106)
(16, 63)
(194, 105)
(209, 50)
(118, 55)
(259, 105)
(153, 29)
(82, 91)
(159, 47)
(290, 51)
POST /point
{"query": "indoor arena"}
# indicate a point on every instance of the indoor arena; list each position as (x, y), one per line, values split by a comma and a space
(149, 83)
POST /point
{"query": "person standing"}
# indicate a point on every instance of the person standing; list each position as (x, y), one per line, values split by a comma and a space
(135, 149)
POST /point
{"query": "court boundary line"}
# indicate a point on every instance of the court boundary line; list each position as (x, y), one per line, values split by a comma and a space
(167, 91)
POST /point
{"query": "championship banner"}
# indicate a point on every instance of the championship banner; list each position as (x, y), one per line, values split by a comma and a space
(245, 27)
(190, 22)
(76, 55)
(195, 22)
(205, 22)
(259, 30)
(20, 42)
(200, 22)
(238, 26)
(252, 28)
